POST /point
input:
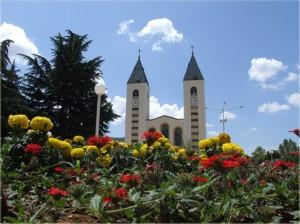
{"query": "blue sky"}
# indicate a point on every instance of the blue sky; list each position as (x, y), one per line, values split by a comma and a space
(247, 52)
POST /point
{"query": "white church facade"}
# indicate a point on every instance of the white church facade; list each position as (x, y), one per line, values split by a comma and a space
(188, 130)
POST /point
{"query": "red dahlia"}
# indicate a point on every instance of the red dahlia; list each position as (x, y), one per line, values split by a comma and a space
(230, 163)
(33, 149)
(56, 192)
(121, 193)
(58, 169)
(99, 141)
(199, 179)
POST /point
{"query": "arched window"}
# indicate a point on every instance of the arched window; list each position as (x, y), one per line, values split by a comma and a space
(135, 98)
(194, 97)
(135, 93)
(165, 130)
(178, 136)
(193, 91)
(151, 129)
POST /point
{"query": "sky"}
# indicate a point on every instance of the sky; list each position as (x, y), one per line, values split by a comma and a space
(248, 53)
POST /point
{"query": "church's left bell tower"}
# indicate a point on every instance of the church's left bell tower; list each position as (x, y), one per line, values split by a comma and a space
(137, 104)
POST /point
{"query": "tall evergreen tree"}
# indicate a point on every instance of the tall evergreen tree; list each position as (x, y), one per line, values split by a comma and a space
(12, 102)
(36, 85)
(65, 87)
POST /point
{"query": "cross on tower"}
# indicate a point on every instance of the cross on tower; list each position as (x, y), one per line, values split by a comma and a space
(139, 50)
(192, 49)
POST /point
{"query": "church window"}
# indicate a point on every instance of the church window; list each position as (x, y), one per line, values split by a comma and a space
(135, 98)
(165, 130)
(194, 98)
(178, 136)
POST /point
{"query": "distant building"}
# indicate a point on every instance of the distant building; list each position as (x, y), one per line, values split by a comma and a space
(179, 131)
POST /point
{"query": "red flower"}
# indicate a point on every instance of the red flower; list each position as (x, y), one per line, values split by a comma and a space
(199, 179)
(58, 169)
(230, 163)
(152, 135)
(99, 141)
(74, 172)
(33, 149)
(280, 163)
(206, 163)
(296, 153)
(193, 158)
(244, 181)
(56, 192)
(107, 200)
(131, 180)
(121, 193)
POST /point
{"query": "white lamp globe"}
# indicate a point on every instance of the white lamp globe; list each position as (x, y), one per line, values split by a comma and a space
(100, 88)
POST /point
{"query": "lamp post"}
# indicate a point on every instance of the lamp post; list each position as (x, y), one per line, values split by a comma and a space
(99, 90)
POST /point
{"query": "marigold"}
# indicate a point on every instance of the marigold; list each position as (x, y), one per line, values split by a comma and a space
(18, 121)
(181, 152)
(91, 148)
(78, 139)
(77, 153)
(105, 161)
(232, 148)
(135, 153)
(223, 138)
(39, 123)
(205, 143)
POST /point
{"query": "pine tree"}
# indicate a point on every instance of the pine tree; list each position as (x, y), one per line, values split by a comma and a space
(12, 102)
(36, 85)
(66, 85)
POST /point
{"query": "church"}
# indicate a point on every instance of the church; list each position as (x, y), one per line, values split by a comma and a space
(188, 130)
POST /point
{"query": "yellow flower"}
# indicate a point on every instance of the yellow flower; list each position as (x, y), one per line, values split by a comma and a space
(223, 138)
(144, 147)
(103, 150)
(172, 149)
(77, 153)
(105, 161)
(91, 148)
(163, 140)
(231, 147)
(156, 145)
(18, 121)
(205, 143)
(174, 156)
(123, 145)
(39, 123)
(68, 140)
(62, 145)
(143, 152)
(78, 139)
(135, 153)
(214, 141)
(181, 152)
(167, 145)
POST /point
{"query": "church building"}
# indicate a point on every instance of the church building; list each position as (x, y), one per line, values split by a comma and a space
(179, 131)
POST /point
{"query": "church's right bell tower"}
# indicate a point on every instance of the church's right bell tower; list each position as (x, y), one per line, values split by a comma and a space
(194, 104)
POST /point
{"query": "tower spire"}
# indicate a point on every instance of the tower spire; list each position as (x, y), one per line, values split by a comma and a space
(139, 55)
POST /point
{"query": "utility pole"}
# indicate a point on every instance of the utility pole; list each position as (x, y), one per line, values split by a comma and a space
(222, 111)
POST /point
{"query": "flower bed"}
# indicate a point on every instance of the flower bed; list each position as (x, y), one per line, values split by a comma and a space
(47, 179)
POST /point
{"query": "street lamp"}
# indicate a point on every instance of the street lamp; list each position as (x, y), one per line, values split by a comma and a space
(99, 90)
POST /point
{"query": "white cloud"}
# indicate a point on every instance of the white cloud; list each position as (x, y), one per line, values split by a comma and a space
(227, 116)
(124, 26)
(272, 107)
(250, 130)
(209, 125)
(160, 30)
(22, 43)
(213, 133)
(263, 69)
(294, 99)
(291, 77)
(157, 109)
(119, 107)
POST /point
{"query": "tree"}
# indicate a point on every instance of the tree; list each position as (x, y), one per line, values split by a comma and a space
(12, 102)
(67, 85)
(259, 155)
(36, 85)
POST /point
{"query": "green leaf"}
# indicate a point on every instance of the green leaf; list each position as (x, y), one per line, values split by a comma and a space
(204, 186)
(95, 202)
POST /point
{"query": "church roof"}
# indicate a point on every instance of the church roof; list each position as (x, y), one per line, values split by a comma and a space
(138, 74)
(193, 72)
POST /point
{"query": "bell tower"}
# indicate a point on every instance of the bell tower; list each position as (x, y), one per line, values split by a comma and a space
(194, 104)
(137, 105)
